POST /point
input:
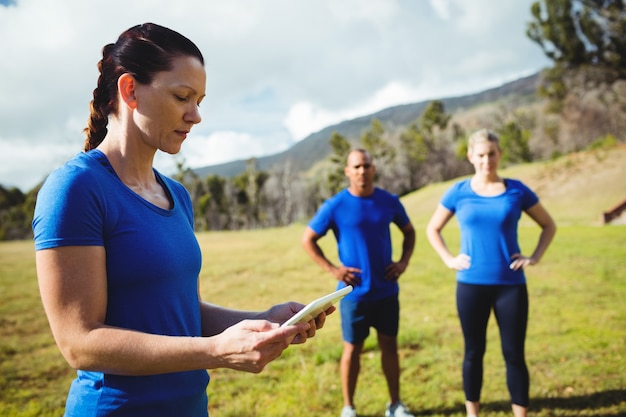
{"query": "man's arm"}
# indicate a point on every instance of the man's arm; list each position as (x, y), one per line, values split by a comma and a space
(408, 244)
(395, 269)
(341, 273)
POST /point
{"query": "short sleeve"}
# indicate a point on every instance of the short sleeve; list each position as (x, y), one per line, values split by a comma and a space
(529, 198)
(401, 218)
(322, 221)
(68, 211)
(450, 197)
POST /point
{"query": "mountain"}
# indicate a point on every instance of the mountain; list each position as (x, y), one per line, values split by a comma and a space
(315, 147)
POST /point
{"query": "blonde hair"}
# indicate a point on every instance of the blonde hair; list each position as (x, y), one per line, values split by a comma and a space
(481, 136)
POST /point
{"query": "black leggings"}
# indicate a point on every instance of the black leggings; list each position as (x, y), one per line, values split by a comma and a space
(510, 306)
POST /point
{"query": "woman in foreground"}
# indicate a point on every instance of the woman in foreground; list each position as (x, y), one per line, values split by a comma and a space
(117, 258)
(490, 266)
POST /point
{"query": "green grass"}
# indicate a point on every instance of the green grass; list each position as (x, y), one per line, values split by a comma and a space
(576, 335)
(575, 345)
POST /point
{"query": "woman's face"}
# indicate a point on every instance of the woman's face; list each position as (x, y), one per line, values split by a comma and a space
(168, 107)
(485, 157)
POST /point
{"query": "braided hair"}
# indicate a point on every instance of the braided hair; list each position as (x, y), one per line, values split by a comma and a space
(141, 51)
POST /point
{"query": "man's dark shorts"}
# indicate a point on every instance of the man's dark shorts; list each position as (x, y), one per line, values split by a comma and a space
(358, 316)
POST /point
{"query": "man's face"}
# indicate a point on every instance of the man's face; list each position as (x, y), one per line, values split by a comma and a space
(360, 170)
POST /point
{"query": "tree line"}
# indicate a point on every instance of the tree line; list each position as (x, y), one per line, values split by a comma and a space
(585, 101)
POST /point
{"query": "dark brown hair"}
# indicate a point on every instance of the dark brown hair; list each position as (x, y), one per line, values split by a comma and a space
(141, 51)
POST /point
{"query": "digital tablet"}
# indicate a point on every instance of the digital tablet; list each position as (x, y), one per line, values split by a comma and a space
(311, 310)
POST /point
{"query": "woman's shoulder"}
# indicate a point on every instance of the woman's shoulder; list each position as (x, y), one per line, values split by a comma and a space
(455, 193)
(513, 183)
(526, 195)
(76, 170)
(460, 185)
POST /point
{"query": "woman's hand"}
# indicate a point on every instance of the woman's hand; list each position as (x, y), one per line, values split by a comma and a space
(459, 262)
(251, 344)
(520, 262)
(280, 313)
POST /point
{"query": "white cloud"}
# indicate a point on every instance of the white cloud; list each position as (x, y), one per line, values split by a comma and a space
(305, 118)
(217, 148)
(441, 8)
(222, 147)
(24, 164)
(378, 12)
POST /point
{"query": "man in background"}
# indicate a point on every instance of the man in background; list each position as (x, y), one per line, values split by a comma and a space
(360, 217)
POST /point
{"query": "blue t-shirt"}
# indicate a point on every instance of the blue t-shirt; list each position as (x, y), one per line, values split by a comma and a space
(489, 230)
(361, 228)
(152, 261)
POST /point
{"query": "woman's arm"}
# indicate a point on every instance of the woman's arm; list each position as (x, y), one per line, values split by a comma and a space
(72, 282)
(216, 319)
(439, 219)
(548, 229)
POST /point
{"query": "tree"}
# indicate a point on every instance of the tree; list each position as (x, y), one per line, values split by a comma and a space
(439, 140)
(415, 151)
(434, 115)
(10, 197)
(340, 150)
(427, 149)
(16, 213)
(212, 206)
(603, 23)
(382, 152)
(282, 184)
(583, 36)
(514, 143)
(555, 30)
(375, 144)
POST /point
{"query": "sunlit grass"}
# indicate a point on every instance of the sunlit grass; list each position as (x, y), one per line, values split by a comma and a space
(575, 341)
(575, 346)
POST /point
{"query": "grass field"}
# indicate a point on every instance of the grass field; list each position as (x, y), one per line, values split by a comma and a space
(576, 337)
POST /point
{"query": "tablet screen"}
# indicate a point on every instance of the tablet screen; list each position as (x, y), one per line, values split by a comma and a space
(314, 308)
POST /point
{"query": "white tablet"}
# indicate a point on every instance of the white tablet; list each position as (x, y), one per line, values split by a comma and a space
(314, 308)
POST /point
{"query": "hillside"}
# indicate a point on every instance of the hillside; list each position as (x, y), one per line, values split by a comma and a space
(304, 154)
(576, 188)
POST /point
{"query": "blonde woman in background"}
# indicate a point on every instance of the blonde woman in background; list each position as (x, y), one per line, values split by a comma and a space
(490, 265)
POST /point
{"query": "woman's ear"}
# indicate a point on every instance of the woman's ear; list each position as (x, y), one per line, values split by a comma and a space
(126, 85)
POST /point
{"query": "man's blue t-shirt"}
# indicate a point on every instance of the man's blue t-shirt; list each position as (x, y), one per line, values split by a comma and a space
(489, 230)
(361, 227)
(152, 261)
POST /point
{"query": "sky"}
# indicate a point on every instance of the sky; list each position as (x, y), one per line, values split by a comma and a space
(277, 70)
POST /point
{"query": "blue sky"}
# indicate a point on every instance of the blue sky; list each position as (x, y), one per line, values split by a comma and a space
(277, 70)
